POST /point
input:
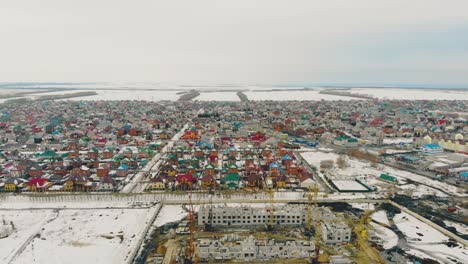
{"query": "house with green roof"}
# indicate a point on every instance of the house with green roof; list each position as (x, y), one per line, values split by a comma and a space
(345, 141)
(231, 180)
(388, 177)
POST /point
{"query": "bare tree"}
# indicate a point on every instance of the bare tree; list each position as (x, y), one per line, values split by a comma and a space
(326, 164)
(342, 162)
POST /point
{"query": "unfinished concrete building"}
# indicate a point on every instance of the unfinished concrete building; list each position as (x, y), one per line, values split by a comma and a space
(234, 247)
(243, 216)
(247, 216)
(334, 229)
(335, 232)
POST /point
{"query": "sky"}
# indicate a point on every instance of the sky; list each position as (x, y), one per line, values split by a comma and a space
(358, 42)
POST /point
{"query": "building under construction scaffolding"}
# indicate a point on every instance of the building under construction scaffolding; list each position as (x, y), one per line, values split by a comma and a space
(335, 232)
(333, 228)
(234, 247)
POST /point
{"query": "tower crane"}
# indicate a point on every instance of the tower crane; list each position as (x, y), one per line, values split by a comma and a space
(366, 253)
(190, 249)
(317, 222)
(309, 211)
(209, 225)
(271, 222)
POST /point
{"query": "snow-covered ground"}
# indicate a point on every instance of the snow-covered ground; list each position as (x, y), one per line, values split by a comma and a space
(389, 141)
(118, 95)
(112, 95)
(57, 93)
(461, 228)
(417, 191)
(387, 237)
(381, 217)
(349, 185)
(150, 92)
(363, 169)
(294, 95)
(71, 202)
(363, 206)
(169, 214)
(73, 236)
(427, 242)
(27, 224)
(218, 96)
(413, 94)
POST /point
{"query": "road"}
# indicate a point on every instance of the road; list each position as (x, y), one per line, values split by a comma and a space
(137, 184)
(317, 177)
(171, 251)
(451, 180)
(32, 236)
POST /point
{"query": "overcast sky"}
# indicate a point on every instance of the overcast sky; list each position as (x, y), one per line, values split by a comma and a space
(238, 41)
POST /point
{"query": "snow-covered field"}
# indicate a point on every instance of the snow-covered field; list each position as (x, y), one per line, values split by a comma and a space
(218, 96)
(413, 94)
(27, 224)
(461, 228)
(118, 95)
(169, 214)
(426, 241)
(420, 190)
(112, 95)
(70, 202)
(74, 235)
(347, 185)
(8, 91)
(388, 238)
(389, 141)
(363, 206)
(294, 95)
(381, 217)
(150, 92)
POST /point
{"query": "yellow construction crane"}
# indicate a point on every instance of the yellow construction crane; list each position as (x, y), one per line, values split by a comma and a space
(190, 250)
(309, 210)
(366, 253)
(317, 222)
(272, 211)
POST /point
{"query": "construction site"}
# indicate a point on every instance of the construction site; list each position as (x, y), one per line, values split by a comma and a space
(270, 233)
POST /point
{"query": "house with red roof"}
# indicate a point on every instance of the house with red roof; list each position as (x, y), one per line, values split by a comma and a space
(185, 181)
(37, 184)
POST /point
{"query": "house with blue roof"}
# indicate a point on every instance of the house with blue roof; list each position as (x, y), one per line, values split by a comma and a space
(464, 176)
(273, 165)
(122, 170)
(286, 157)
(274, 169)
(431, 149)
(287, 160)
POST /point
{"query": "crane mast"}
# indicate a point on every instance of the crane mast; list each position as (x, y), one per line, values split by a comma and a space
(190, 250)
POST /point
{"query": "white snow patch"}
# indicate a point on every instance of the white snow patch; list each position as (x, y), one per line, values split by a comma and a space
(420, 190)
(87, 236)
(387, 237)
(363, 206)
(461, 228)
(388, 141)
(423, 238)
(294, 95)
(27, 224)
(169, 214)
(119, 95)
(347, 185)
(362, 169)
(381, 217)
(412, 94)
(218, 96)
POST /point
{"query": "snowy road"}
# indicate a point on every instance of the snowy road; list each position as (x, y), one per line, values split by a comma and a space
(136, 185)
